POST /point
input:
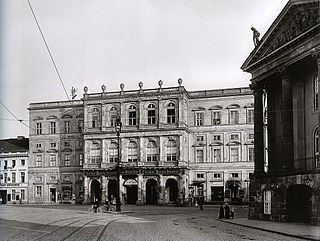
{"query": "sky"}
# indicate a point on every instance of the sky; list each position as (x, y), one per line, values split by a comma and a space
(96, 42)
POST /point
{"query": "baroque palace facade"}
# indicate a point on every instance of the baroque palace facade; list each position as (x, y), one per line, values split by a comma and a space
(174, 145)
(285, 68)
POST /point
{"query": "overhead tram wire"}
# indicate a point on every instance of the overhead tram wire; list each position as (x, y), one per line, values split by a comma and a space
(20, 120)
(48, 49)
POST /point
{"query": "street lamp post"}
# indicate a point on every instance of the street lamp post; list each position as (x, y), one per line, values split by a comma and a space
(118, 126)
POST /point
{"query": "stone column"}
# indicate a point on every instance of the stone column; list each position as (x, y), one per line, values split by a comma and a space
(140, 187)
(122, 192)
(86, 190)
(286, 121)
(161, 190)
(104, 189)
(258, 129)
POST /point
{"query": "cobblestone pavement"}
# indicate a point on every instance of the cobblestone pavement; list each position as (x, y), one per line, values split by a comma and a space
(71, 222)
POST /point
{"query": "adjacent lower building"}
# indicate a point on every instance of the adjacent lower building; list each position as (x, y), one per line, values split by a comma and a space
(14, 170)
(174, 145)
(285, 69)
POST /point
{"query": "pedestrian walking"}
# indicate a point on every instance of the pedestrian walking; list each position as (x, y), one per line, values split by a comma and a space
(95, 205)
(226, 211)
(201, 202)
(232, 213)
(221, 212)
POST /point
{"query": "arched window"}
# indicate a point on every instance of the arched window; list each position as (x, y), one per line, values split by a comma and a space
(113, 115)
(151, 114)
(95, 154)
(132, 115)
(171, 113)
(132, 152)
(171, 151)
(113, 152)
(95, 118)
(152, 153)
(316, 147)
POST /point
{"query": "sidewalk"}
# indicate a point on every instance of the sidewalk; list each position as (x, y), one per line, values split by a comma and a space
(303, 231)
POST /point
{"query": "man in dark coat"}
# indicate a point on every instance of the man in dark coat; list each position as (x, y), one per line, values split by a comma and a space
(227, 211)
(221, 212)
(201, 202)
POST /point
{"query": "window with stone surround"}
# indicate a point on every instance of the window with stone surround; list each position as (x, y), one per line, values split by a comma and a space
(316, 148)
(67, 160)
(113, 115)
(152, 153)
(233, 117)
(38, 191)
(38, 160)
(250, 116)
(95, 153)
(23, 177)
(171, 151)
(13, 176)
(132, 152)
(234, 153)
(217, 154)
(38, 128)
(315, 92)
(23, 194)
(216, 117)
(199, 155)
(171, 113)
(95, 118)
(151, 114)
(113, 152)
(52, 127)
(67, 127)
(199, 118)
(132, 115)
(250, 154)
(52, 160)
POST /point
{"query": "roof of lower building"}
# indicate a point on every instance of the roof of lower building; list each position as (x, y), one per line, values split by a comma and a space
(19, 144)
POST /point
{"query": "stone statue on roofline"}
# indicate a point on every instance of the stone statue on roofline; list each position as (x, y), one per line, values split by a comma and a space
(256, 36)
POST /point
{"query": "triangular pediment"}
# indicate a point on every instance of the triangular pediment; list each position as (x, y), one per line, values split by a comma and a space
(296, 20)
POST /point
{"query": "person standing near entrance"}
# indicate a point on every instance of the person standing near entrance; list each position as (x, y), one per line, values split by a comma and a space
(201, 202)
(221, 212)
(227, 211)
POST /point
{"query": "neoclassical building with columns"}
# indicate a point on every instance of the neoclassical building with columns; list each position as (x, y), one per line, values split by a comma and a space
(174, 145)
(285, 82)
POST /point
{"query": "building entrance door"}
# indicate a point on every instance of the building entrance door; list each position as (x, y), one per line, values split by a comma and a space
(53, 195)
(172, 189)
(217, 194)
(299, 203)
(151, 192)
(95, 191)
(132, 194)
(3, 195)
(112, 190)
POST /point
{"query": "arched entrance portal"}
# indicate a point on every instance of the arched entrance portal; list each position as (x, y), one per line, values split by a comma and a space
(299, 203)
(151, 192)
(95, 190)
(172, 190)
(112, 190)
